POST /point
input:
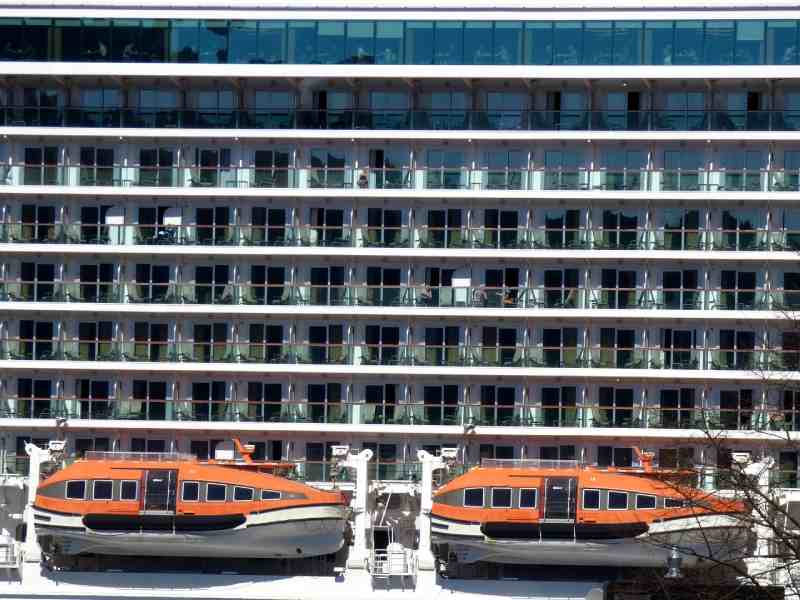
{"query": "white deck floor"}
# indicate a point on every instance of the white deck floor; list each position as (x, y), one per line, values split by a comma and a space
(356, 585)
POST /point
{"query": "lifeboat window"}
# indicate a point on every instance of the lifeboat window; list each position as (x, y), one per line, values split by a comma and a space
(644, 502)
(617, 500)
(673, 503)
(215, 492)
(591, 499)
(270, 495)
(102, 490)
(76, 490)
(501, 498)
(191, 491)
(473, 497)
(243, 494)
(128, 490)
(527, 498)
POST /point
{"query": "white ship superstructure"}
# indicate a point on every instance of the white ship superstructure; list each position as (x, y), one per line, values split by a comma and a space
(521, 230)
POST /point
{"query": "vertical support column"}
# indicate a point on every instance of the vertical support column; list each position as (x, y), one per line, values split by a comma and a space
(359, 463)
(32, 552)
(761, 565)
(430, 464)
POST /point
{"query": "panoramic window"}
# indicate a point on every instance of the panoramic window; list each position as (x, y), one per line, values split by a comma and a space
(501, 498)
(242, 494)
(191, 491)
(527, 498)
(591, 499)
(128, 490)
(445, 42)
(473, 497)
(215, 492)
(644, 502)
(102, 490)
(617, 500)
(270, 495)
(673, 503)
(76, 490)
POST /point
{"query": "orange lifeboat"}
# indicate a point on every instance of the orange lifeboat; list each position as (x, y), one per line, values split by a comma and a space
(564, 513)
(172, 505)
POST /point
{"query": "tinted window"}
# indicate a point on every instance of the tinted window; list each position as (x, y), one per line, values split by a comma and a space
(673, 503)
(102, 490)
(644, 502)
(617, 500)
(76, 490)
(242, 493)
(191, 491)
(473, 497)
(215, 492)
(127, 490)
(270, 495)
(591, 499)
(501, 498)
(527, 498)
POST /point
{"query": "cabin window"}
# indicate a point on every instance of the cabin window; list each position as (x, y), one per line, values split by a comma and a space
(102, 490)
(128, 490)
(215, 492)
(191, 491)
(270, 495)
(673, 503)
(501, 498)
(591, 499)
(644, 502)
(76, 490)
(527, 498)
(617, 500)
(473, 497)
(242, 494)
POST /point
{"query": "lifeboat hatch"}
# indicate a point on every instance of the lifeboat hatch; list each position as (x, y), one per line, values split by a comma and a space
(559, 499)
(160, 491)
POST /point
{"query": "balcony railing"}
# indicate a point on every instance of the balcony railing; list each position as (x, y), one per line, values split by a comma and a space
(437, 178)
(451, 120)
(536, 414)
(365, 236)
(410, 295)
(407, 354)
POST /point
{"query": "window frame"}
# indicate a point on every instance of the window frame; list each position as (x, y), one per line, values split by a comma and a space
(222, 485)
(244, 487)
(66, 489)
(464, 497)
(535, 498)
(135, 483)
(583, 498)
(648, 496)
(94, 489)
(183, 491)
(617, 492)
(510, 496)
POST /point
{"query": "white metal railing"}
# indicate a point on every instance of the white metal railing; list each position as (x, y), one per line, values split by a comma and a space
(8, 554)
(528, 463)
(143, 456)
(393, 562)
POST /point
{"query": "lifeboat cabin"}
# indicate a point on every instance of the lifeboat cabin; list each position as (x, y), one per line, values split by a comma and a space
(173, 505)
(538, 512)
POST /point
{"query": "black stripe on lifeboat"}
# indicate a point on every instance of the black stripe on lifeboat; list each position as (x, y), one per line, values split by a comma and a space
(104, 522)
(561, 531)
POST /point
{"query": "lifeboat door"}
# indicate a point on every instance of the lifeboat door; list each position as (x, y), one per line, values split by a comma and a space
(160, 490)
(559, 499)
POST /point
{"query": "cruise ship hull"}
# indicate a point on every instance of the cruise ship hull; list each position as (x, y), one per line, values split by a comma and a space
(716, 537)
(285, 533)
